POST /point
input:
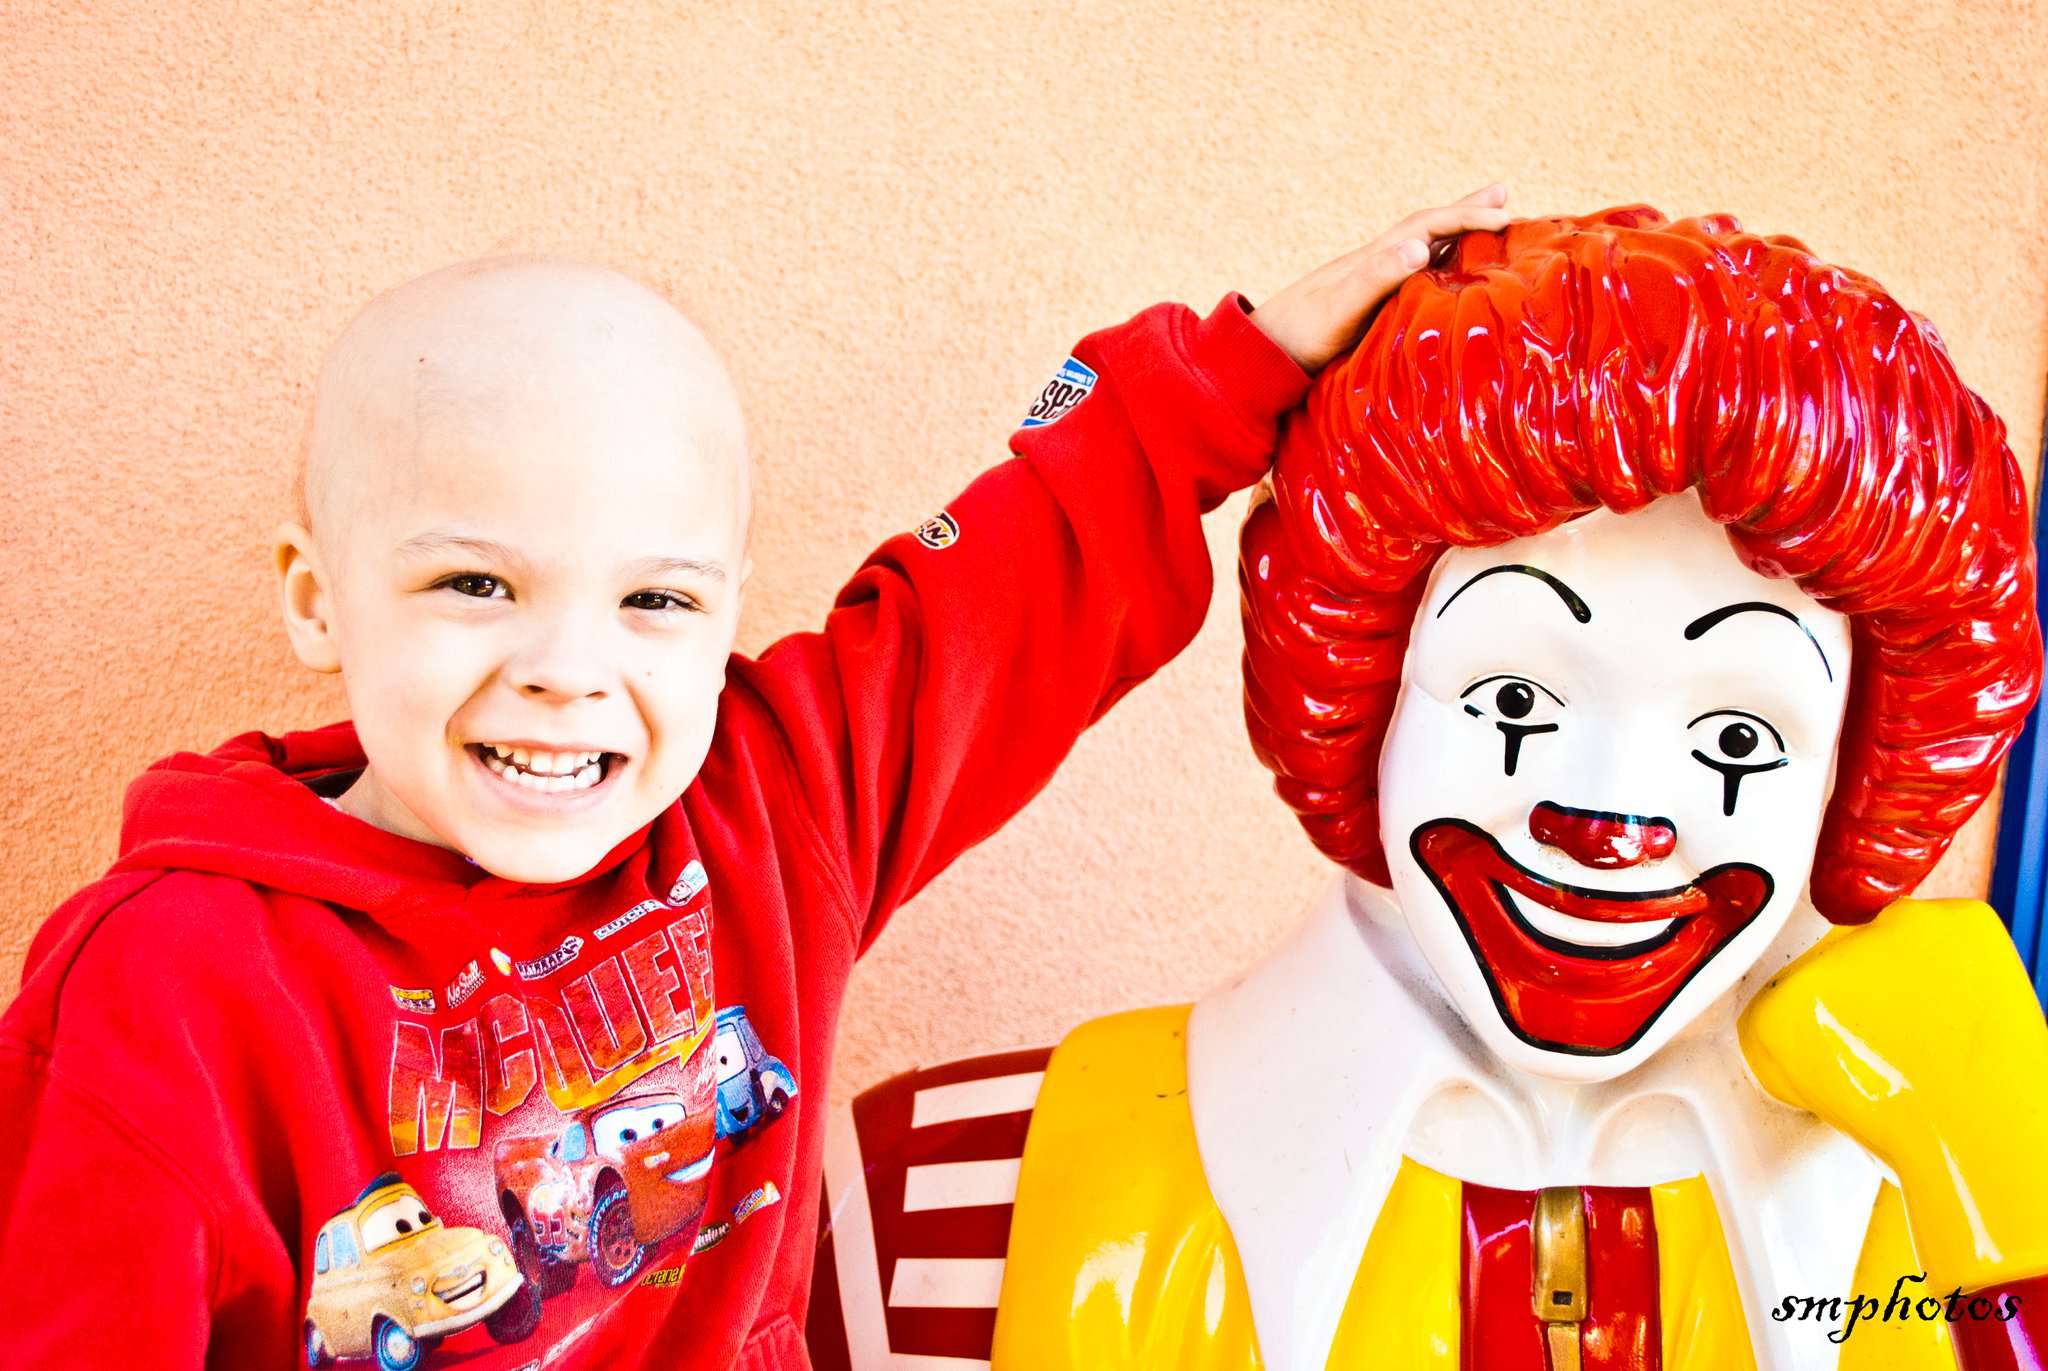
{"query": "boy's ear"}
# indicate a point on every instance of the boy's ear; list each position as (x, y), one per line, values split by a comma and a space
(302, 588)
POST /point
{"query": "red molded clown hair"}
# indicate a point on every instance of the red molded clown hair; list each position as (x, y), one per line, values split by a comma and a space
(1566, 364)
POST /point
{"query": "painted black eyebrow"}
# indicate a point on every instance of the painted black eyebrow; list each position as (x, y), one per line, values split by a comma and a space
(1565, 593)
(1712, 617)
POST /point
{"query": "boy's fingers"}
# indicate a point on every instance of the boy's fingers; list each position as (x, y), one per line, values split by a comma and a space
(1445, 220)
(1385, 269)
(1352, 262)
(1317, 315)
(1457, 218)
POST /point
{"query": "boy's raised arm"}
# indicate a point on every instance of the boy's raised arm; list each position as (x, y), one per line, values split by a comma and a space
(962, 661)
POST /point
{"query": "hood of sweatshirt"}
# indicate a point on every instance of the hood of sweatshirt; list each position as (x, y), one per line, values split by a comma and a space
(256, 809)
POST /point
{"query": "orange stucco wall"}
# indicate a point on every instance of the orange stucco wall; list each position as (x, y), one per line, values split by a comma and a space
(893, 220)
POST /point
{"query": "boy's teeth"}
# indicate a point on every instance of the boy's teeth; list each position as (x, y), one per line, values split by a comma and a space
(545, 771)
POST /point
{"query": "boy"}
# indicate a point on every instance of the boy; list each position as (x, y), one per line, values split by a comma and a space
(377, 1036)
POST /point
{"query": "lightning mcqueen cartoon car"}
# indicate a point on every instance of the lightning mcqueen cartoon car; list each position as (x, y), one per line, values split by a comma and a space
(614, 1180)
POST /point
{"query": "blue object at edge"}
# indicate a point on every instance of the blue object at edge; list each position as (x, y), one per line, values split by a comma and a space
(2017, 889)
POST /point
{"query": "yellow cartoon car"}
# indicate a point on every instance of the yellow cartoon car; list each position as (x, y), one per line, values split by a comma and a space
(389, 1280)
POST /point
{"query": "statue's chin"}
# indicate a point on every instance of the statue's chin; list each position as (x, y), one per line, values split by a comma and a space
(1564, 1067)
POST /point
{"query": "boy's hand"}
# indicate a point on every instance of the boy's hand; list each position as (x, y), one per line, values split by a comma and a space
(1323, 313)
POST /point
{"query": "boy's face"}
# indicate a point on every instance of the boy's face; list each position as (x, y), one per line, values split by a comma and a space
(529, 505)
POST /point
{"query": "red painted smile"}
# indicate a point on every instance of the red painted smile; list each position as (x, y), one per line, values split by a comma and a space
(1592, 999)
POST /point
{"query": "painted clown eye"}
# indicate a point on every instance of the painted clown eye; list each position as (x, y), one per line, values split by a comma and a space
(1737, 744)
(1517, 707)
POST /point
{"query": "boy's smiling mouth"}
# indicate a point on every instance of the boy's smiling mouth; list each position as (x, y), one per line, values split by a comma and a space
(538, 771)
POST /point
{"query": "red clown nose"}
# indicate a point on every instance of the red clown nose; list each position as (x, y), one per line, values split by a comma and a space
(1595, 837)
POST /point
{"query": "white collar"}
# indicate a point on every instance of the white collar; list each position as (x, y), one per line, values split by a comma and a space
(1315, 1072)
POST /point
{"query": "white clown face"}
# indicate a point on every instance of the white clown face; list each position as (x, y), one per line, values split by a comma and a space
(1604, 779)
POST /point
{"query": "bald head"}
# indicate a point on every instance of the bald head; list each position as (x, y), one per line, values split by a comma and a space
(568, 363)
(527, 488)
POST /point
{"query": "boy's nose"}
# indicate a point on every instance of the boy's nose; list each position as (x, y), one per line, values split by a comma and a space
(1600, 838)
(558, 686)
(560, 667)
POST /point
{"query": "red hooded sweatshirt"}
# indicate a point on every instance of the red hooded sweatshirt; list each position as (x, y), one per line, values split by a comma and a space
(285, 1088)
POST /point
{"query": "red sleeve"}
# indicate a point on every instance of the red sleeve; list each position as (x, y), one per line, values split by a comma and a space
(961, 662)
(110, 1253)
(132, 1218)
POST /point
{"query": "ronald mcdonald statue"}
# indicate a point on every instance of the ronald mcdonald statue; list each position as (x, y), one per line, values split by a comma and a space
(1633, 618)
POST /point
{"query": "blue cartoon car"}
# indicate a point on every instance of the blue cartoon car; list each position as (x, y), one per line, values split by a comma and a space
(753, 1087)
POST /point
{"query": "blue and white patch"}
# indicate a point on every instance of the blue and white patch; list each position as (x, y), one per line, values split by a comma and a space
(1068, 387)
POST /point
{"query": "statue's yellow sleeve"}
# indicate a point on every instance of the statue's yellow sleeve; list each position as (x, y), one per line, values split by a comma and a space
(1919, 1036)
(1119, 1257)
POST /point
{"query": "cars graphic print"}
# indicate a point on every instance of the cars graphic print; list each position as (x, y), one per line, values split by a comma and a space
(390, 1280)
(612, 1181)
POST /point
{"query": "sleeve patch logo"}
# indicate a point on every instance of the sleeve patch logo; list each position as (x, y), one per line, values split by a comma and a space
(1069, 386)
(939, 531)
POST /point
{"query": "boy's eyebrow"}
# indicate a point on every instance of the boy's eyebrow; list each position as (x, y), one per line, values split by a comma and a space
(688, 566)
(437, 543)
(429, 543)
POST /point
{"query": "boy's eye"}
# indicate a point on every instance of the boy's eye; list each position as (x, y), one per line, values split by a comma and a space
(470, 583)
(659, 600)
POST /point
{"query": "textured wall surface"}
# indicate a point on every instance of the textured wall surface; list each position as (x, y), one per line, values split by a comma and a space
(894, 222)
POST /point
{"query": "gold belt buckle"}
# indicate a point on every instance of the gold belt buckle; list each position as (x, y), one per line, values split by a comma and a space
(1558, 1236)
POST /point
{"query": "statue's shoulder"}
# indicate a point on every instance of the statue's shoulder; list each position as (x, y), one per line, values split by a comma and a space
(1133, 1064)
(1119, 1256)
(1042, 1208)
